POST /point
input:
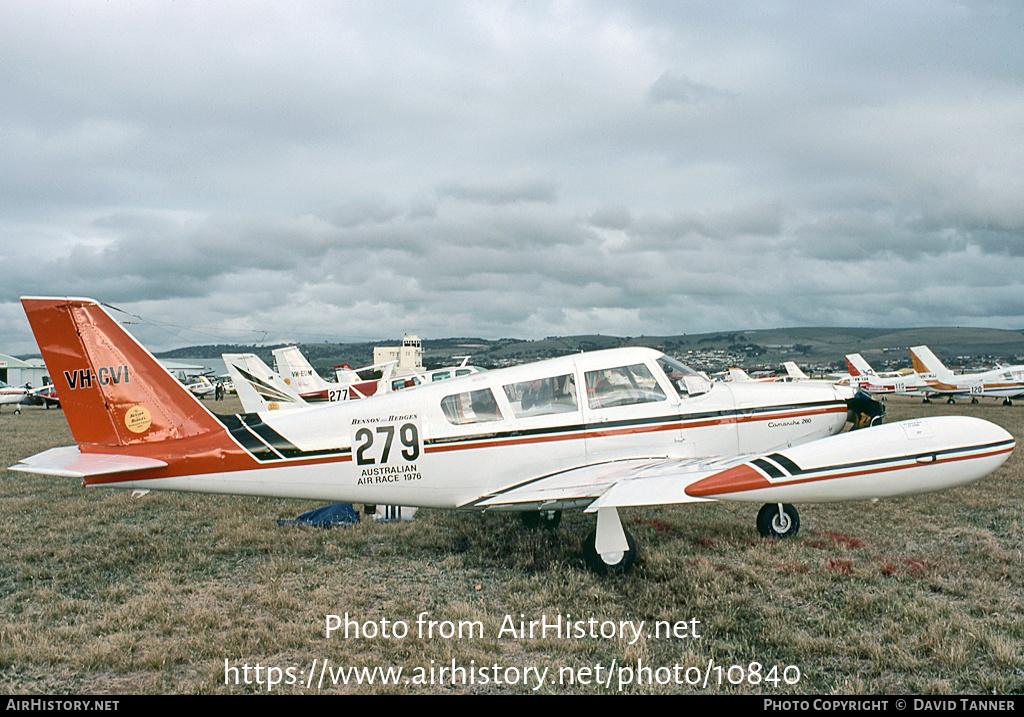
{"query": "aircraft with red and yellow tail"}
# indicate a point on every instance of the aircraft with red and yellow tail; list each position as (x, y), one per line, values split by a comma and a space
(1005, 382)
(865, 378)
(601, 431)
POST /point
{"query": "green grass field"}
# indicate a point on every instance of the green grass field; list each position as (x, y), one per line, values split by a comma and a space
(102, 592)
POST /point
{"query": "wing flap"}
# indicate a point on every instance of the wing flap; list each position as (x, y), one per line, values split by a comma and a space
(663, 483)
(587, 483)
(72, 463)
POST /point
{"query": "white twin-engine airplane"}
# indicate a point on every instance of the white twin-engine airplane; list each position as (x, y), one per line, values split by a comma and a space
(1005, 382)
(597, 431)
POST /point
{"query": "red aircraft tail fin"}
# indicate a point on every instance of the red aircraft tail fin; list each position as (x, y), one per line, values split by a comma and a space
(850, 368)
(112, 390)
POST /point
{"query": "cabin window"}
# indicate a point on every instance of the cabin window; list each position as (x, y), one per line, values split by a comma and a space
(471, 407)
(399, 383)
(556, 394)
(440, 376)
(622, 386)
(684, 379)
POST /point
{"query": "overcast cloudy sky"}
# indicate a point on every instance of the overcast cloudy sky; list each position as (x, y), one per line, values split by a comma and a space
(355, 170)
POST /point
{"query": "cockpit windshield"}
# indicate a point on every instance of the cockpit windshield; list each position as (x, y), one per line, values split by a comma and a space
(684, 379)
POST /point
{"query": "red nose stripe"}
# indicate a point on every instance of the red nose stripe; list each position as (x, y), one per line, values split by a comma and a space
(733, 480)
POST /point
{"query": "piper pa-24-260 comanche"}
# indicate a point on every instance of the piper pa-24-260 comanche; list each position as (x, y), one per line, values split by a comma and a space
(598, 431)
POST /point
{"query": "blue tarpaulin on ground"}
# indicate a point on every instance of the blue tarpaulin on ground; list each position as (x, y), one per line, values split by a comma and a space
(333, 514)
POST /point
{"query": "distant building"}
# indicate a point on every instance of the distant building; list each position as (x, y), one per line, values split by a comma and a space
(15, 372)
(408, 356)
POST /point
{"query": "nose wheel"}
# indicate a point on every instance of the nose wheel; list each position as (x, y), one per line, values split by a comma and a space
(778, 520)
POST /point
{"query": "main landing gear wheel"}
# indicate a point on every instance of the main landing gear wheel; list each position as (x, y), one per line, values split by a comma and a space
(609, 563)
(778, 520)
(541, 518)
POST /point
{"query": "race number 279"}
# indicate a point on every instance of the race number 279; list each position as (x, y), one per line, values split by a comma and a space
(377, 445)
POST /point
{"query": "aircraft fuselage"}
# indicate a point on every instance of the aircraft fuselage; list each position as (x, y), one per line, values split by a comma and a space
(447, 444)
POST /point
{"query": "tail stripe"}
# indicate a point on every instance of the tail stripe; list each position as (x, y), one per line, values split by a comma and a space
(248, 439)
(265, 444)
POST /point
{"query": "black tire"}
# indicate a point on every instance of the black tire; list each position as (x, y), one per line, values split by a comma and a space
(770, 524)
(548, 519)
(596, 563)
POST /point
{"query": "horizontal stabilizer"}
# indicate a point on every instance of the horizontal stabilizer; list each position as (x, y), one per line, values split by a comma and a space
(72, 463)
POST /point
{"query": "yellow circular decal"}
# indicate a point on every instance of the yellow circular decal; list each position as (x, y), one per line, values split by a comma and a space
(273, 406)
(138, 419)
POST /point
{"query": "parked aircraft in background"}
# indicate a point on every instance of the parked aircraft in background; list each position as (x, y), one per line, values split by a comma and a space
(738, 374)
(794, 373)
(599, 431)
(858, 366)
(419, 378)
(360, 388)
(265, 389)
(200, 386)
(12, 395)
(301, 376)
(353, 386)
(297, 372)
(15, 396)
(257, 386)
(866, 378)
(43, 396)
(1005, 382)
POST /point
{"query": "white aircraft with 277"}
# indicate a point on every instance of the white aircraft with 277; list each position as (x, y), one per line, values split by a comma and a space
(601, 431)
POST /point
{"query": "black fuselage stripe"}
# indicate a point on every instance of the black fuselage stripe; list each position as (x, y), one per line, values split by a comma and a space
(768, 467)
(265, 444)
(785, 463)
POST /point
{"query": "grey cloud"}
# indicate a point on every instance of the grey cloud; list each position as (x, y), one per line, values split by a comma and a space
(500, 194)
(516, 170)
(676, 88)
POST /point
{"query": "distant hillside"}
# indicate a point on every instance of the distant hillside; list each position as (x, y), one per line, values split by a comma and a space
(811, 348)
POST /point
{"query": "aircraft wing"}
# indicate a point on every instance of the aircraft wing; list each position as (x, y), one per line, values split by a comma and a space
(582, 485)
(884, 461)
